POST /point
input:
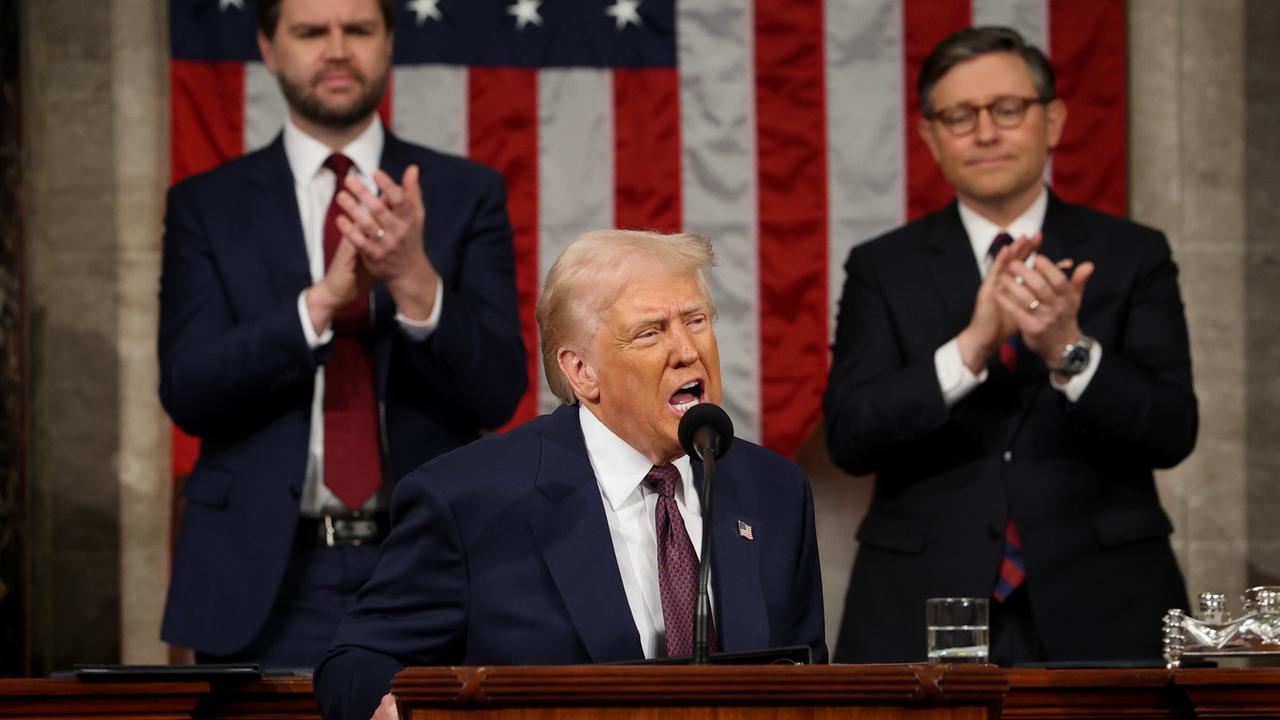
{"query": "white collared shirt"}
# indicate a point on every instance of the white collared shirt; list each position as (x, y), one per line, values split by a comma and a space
(954, 377)
(313, 186)
(629, 507)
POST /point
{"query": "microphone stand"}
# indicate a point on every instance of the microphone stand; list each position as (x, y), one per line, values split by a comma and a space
(702, 610)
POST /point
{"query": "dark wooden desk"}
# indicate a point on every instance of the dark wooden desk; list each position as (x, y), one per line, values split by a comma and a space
(278, 698)
(846, 692)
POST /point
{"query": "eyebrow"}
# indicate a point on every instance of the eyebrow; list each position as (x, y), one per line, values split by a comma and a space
(306, 25)
(658, 319)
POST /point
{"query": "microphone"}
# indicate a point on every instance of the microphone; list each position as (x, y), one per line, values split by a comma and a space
(706, 428)
(705, 432)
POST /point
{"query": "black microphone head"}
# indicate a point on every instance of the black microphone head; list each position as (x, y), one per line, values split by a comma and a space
(712, 417)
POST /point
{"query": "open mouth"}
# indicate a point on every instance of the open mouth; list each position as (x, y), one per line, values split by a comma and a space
(688, 395)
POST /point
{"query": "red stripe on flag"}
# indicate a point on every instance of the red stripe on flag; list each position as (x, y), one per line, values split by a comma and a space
(206, 128)
(503, 134)
(206, 102)
(646, 126)
(1088, 46)
(384, 105)
(791, 161)
(925, 23)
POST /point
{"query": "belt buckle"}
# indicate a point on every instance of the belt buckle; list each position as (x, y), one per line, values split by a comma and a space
(329, 539)
(355, 530)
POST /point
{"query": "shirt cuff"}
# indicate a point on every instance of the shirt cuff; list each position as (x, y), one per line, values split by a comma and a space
(1075, 386)
(419, 330)
(954, 377)
(314, 341)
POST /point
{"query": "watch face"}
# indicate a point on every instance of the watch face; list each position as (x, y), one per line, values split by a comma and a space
(1075, 358)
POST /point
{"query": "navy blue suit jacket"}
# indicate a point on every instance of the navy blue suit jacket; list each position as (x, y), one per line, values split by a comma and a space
(1076, 476)
(500, 554)
(236, 370)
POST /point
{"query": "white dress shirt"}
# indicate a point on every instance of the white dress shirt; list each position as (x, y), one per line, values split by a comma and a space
(313, 184)
(629, 506)
(954, 377)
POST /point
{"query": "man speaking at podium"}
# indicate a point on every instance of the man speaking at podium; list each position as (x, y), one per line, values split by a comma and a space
(573, 539)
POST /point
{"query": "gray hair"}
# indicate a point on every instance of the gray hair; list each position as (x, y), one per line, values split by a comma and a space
(972, 42)
(583, 281)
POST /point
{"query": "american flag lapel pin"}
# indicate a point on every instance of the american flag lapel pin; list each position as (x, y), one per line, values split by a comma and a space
(744, 530)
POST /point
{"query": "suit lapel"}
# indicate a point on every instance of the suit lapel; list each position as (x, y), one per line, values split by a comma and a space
(573, 536)
(952, 267)
(275, 227)
(742, 621)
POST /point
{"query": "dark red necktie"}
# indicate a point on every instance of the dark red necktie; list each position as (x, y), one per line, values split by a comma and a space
(677, 564)
(1012, 572)
(352, 458)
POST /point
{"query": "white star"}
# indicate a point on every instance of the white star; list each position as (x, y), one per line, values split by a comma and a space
(224, 4)
(425, 9)
(624, 12)
(526, 11)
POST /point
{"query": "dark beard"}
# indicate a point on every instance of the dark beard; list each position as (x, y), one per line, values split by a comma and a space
(307, 104)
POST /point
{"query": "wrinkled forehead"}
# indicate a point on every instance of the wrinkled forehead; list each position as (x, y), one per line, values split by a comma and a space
(643, 287)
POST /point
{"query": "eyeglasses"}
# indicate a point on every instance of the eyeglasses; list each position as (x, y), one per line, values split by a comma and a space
(1006, 112)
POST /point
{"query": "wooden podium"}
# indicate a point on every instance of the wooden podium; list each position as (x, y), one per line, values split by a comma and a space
(685, 692)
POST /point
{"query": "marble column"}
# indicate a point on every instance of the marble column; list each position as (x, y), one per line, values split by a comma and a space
(1262, 289)
(96, 141)
(1189, 177)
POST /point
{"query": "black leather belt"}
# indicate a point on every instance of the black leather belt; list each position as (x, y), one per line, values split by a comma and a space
(344, 530)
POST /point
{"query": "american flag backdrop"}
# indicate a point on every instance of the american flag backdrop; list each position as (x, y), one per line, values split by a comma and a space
(782, 129)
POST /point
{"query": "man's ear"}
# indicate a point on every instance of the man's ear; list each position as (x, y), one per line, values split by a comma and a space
(268, 57)
(579, 373)
(1055, 118)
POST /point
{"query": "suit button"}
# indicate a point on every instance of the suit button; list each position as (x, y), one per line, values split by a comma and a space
(1008, 456)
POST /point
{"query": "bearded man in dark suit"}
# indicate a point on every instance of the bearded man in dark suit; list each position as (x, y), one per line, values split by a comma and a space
(335, 309)
(1012, 368)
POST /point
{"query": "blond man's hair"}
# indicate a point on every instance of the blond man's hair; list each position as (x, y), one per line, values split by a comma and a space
(586, 277)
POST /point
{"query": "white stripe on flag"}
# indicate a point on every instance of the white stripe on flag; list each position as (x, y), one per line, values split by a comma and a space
(575, 166)
(429, 106)
(264, 107)
(865, 110)
(1028, 17)
(718, 150)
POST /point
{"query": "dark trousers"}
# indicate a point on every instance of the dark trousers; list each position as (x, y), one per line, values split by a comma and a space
(319, 586)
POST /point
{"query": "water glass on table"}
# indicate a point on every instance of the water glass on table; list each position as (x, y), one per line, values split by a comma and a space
(957, 629)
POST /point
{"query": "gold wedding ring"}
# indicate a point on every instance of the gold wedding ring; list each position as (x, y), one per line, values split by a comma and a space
(1033, 305)
(380, 234)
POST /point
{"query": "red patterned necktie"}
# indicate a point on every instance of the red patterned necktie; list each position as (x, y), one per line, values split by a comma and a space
(352, 457)
(1012, 571)
(677, 564)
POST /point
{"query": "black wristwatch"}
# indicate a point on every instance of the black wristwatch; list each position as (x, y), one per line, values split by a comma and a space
(1075, 357)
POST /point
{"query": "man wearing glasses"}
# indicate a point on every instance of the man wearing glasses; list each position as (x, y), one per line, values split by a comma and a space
(1011, 368)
